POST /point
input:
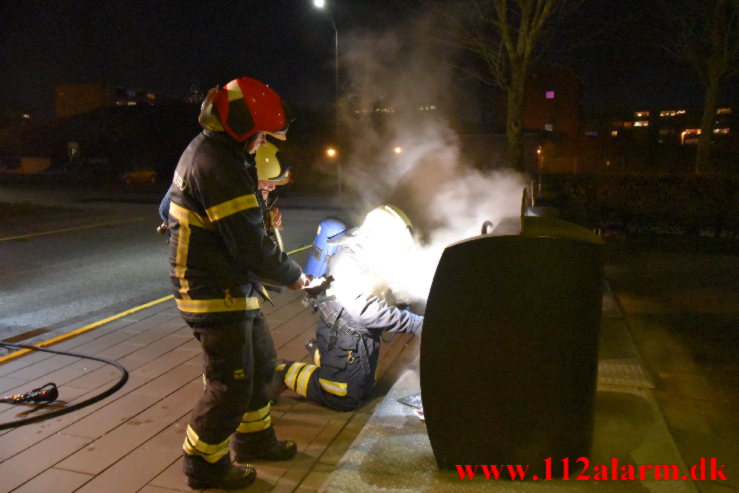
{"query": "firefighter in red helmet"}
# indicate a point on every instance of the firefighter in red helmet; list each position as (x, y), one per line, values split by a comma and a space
(218, 249)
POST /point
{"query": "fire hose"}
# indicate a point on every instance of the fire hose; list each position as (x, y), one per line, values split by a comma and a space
(49, 392)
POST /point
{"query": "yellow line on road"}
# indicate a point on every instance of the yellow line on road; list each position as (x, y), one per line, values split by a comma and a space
(87, 328)
(82, 330)
(89, 226)
(299, 249)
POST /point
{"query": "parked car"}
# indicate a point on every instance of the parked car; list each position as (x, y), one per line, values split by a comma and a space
(143, 175)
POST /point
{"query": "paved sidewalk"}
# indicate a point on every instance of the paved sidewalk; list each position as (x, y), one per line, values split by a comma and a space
(131, 441)
(393, 453)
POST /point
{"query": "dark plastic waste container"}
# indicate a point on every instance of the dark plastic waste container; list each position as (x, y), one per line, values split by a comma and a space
(510, 345)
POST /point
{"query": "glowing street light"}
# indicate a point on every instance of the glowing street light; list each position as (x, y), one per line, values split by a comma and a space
(321, 4)
(398, 150)
(331, 152)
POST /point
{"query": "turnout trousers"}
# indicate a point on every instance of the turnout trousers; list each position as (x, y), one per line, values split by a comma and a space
(238, 360)
(343, 375)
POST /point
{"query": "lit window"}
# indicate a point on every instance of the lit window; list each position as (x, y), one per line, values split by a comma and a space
(628, 124)
(641, 114)
(666, 131)
(723, 111)
(550, 94)
(670, 113)
(548, 127)
(641, 123)
(614, 133)
(690, 135)
(722, 131)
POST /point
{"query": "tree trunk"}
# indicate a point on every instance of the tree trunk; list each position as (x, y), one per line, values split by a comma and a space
(514, 130)
(710, 105)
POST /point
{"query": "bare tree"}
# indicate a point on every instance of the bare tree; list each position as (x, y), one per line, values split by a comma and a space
(705, 34)
(504, 34)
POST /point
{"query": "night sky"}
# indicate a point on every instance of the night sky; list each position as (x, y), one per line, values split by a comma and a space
(167, 45)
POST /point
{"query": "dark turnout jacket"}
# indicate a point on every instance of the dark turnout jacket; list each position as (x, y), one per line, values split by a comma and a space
(217, 244)
(353, 319)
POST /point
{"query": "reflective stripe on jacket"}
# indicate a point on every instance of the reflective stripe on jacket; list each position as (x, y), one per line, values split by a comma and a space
(217, 241)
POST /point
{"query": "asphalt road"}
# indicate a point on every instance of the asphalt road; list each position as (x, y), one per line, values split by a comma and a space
(69, 258)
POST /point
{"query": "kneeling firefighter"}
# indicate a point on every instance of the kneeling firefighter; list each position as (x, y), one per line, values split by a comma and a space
(363, 299)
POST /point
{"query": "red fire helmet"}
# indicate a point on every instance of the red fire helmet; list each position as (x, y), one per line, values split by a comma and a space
(244, 107)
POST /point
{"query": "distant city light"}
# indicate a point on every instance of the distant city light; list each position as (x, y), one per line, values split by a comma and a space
(549, 127)
(691, 134)
(614, 133)
(641, 114)
(26, 116)
(550, 94)
(670, 113)
(641, 123)
(723, 111)
(362, 111)
(331, 152)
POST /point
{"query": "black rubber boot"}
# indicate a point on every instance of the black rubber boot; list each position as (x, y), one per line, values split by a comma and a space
(223, 475)
(262, 445)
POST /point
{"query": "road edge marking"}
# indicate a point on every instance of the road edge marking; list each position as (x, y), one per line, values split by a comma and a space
(66, 230)
(82, 330)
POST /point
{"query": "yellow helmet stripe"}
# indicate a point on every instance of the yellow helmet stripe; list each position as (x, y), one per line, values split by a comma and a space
(234, 90)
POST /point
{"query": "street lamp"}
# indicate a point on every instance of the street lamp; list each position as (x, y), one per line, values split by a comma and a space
(321, 4)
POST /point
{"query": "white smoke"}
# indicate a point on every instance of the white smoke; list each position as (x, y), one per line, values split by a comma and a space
(392, 77)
